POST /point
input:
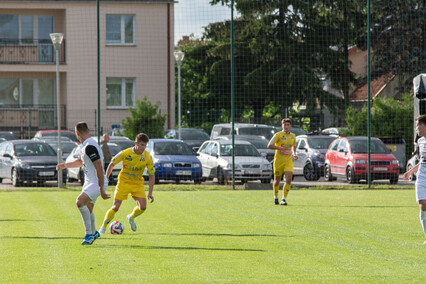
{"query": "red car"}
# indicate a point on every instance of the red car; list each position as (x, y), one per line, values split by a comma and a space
(348, 157)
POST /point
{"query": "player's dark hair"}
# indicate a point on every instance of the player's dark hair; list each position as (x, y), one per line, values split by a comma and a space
(421, 119)
(142, 137)
(82, 127)
(286, 120)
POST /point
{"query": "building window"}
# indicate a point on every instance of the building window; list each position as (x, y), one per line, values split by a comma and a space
(26, 92)
(120, 92)
(24, 29)
(120, 29)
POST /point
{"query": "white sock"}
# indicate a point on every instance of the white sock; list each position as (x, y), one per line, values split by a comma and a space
(423, 221)
(92, 218)
(85, 215)
(276, 197)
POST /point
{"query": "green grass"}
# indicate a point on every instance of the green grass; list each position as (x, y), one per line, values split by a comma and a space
(189, 236)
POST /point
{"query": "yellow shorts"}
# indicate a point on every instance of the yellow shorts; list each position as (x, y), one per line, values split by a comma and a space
(283, 167)
(123, 190)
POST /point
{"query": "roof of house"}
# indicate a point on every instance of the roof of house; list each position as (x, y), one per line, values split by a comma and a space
(376, 87)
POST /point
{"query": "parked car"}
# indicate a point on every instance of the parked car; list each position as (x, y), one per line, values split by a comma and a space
(174, 160)
(194, 137)
(77, 174)
(121, 141)
(243, 129)
(259, 142)
(311, 151)
(414, 160)
(8, 135)
(41, 134)
(28, 161)
(66, 146)
(347, 157)
(335, 131)
(295, 130)
(216, 159)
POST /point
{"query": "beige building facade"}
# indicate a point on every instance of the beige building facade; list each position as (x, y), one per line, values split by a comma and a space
(136, 61)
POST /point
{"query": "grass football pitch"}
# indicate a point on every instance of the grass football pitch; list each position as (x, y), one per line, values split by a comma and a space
(217, 236)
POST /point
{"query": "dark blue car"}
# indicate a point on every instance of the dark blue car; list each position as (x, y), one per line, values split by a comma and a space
(174, 160)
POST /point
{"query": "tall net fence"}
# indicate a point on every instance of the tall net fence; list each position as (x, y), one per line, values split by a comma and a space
(303, 60)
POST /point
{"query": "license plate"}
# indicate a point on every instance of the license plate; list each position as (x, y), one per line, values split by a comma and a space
(46, 174)
(183, 173)
(250, 172)
(380, 169)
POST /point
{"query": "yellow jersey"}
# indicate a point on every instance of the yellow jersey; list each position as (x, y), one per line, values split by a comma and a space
(133, 166)
(281, 139)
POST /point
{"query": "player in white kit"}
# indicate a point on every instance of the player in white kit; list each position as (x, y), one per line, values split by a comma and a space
(95, 182)
(420, 170)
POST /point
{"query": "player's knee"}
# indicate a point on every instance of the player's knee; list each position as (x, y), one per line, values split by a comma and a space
(115, 207)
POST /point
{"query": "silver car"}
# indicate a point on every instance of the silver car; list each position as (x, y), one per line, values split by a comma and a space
(216, 160)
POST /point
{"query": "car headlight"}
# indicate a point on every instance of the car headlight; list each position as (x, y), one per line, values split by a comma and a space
(395, 162)
(360, 162)
(267, 166)
(197, 165)
(25, 166)
(166, 165)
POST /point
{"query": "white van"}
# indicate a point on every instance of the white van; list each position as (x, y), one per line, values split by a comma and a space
(264, 130)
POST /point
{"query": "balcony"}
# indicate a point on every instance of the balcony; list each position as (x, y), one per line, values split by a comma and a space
(30, 52)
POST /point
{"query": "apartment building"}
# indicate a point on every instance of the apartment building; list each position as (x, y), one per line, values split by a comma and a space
(136, 61)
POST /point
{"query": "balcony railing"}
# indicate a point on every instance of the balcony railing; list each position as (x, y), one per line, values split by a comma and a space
(29, 52)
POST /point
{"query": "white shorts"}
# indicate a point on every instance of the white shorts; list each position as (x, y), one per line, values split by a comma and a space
(92, 190)
(420, 190)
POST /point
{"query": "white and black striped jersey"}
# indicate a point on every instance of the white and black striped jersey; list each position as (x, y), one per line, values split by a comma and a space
(91, 152)
(421, 172)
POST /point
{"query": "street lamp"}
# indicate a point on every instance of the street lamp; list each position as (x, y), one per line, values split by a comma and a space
(57, 40)
(179, 57)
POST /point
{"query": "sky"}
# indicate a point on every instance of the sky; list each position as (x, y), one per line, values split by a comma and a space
(192, 15)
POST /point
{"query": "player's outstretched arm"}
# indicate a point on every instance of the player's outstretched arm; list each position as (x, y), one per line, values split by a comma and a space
(75, 164)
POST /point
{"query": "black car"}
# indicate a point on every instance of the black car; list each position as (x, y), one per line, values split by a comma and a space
(311, 151)
(7, 135)
(28, 161)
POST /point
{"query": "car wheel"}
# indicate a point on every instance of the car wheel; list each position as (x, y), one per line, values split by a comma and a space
(81, 176)
(393, 179)
(411, 177)
(220, 176)
(157, 180)
(1, 180)
(309, 172)
(15, 178)
(327, 173)
(350, 175)
(177, 181)
(197, 181)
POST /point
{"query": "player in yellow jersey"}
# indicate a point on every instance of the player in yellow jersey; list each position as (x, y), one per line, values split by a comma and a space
(130, 180)
(284, 144)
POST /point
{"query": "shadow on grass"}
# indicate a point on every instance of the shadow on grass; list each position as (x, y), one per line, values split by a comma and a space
(41, 238)
(172, 248)
(214, 235)
(19, 220)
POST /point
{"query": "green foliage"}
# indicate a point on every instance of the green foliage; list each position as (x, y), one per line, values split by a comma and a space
(389, 118)
(144, 119)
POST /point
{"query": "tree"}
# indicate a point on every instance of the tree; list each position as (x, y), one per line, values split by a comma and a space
(146, 119)
(389, 118)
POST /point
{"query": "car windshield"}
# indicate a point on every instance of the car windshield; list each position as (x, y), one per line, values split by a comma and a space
(360, 147)
(193, 135)
(240, 150)
(114, 149)
(267, 132)
(34, 149)
(65, 147)
(258, 143)
(320, 143)
(168, 148)
(124, 144)
(69, 135)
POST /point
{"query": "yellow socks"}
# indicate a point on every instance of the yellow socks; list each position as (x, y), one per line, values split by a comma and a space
(136, 212)
(276, 188)
(286, 190)
(108, 217)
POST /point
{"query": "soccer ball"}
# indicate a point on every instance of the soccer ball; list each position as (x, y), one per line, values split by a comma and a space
(116, 228)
